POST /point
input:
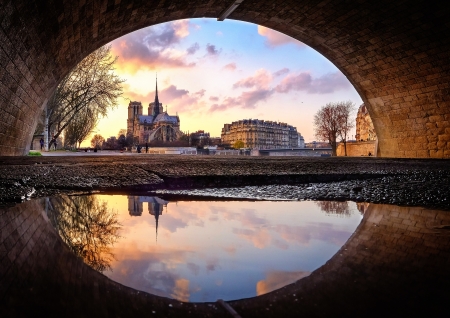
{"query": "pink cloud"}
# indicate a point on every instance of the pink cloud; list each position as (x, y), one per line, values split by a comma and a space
(251, 98)
(248, 100)
(283, 71)
(177, 99)
(171, 93)
(200, 93)
(228, 102)
(325, 84)
(298, 82)
(260, 238)
(214, 98)
(261, 79)
(278, 279)
(230, 66)
(275, 38)
(154, 47)
(261, 90)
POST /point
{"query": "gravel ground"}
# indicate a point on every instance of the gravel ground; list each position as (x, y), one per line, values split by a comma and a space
(412, 182)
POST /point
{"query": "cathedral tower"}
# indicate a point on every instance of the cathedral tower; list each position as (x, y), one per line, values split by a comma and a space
(134, 111)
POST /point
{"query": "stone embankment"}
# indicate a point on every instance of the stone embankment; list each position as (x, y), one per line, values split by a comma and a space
(413, 182)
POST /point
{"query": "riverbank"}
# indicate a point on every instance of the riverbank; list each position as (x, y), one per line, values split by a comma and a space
(410, 182)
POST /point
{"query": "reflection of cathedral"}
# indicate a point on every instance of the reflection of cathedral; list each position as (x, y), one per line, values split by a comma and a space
(157, 125)
(155, 207)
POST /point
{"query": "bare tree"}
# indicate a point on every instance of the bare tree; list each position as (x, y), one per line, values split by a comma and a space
(326, 125)
(345, 110)
(332, 121)
(80, 126)
(91, 84)
(340, 208)
(87, 226)
(97, 141)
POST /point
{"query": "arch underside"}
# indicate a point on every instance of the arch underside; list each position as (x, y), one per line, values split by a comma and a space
(395, 54)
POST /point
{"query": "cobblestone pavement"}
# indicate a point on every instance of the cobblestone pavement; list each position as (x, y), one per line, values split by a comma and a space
(395, 264)
(420, 182)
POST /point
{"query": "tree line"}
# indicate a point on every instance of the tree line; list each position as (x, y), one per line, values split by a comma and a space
(82, 97)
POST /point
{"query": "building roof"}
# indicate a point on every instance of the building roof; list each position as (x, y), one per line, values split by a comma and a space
(145, 119)
(164, 117)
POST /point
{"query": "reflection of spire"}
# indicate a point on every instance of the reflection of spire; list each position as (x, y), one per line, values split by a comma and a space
(156, 219)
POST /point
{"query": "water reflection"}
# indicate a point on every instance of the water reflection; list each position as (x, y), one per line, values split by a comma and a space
(87, 226)
(206, 250)
(339, 208)
(155, 207)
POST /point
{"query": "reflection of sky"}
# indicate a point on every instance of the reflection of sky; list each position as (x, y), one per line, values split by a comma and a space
(229, 250)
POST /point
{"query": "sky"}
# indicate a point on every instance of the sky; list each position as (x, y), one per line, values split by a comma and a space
(212, 73)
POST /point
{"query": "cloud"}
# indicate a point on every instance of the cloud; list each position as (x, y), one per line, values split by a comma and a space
(171, 93)
(212, 265)
(230, 66)
(211, 50)
(261, 79)
(275, 38)
(261, 89)
(326, 84)
(214, 98)
(281, 72)
(247, 100)
(200, 93)
(193, 48)
(153, 48)
(194, 268)
(181, 290)
(260, 237)
(259, 82)
(251, 98)
(178, 99)
(277, 279)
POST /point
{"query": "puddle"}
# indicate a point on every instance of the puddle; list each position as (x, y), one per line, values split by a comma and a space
(201, 251)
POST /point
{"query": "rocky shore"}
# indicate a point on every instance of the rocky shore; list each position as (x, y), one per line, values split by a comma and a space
(408, 182)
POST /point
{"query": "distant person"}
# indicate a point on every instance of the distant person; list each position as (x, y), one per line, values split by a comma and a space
(370, 154)
(52, 142)
(146, 147)
(42, 143)
(138, 149)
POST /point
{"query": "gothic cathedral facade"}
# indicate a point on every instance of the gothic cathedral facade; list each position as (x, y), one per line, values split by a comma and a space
(158, 125)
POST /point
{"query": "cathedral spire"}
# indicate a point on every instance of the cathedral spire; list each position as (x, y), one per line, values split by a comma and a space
(156, 92)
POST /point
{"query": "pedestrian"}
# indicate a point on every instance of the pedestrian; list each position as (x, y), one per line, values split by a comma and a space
(138, 149)
(55, 143)
(42, 143)
(146, 147)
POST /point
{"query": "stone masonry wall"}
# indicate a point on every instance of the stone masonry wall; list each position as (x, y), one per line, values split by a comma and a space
(357, 149)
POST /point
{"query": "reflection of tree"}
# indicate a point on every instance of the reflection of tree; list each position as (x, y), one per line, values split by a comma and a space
(334, 207)
(87, 227)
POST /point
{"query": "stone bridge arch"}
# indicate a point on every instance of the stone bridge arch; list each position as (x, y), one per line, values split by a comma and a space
(396, 54)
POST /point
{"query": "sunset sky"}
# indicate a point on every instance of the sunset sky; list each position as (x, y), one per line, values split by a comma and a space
(212, 73)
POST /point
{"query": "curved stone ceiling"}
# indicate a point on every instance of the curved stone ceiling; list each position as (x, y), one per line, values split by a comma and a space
(396, 54)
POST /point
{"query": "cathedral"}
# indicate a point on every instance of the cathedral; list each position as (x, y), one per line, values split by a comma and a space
(157, 125)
